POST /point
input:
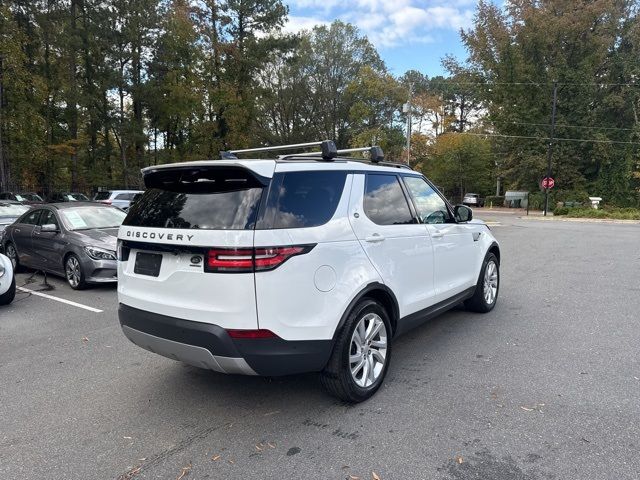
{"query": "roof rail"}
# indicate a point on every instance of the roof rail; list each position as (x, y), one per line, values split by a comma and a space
(328, 149)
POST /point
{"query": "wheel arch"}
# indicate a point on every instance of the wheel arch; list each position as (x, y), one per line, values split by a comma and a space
(495, 249)
(382, 294)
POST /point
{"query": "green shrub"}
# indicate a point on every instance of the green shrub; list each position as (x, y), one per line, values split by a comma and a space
(561, 211)
(494, 200)
(608, 212)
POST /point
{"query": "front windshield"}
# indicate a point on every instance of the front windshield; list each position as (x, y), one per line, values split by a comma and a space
(84, 218)
(12, 211)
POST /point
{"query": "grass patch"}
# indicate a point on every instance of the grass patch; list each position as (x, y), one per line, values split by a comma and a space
(609, 212)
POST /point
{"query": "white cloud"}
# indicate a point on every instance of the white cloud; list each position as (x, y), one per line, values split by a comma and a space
(296, 23)
(387, 23)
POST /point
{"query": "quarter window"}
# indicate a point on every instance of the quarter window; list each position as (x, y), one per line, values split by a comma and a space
(430, 206)
(384, 201)
(303, 199)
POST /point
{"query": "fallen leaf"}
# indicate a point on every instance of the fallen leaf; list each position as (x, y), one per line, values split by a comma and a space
(346, 467)
(133, 472)
(128, 438)
(85, 339)
(215, 458)
(231, 462)
(459, 459)
(271, 445)
(374, 476)
(185, 472)
(353, 477)
(258, 448)
(268, 414)
(141, 459)
(527, 409)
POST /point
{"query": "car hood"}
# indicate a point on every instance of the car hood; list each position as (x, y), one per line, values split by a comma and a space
(99, 237)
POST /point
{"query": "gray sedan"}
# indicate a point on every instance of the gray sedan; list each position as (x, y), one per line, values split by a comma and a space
(75, 240)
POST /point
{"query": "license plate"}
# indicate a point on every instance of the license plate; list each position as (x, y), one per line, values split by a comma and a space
(148, 264)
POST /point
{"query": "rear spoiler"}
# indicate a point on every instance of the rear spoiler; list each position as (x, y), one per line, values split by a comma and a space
(203, 177)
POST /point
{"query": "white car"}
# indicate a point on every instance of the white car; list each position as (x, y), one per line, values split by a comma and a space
(7, 281)
(118, 198)
(296, 264)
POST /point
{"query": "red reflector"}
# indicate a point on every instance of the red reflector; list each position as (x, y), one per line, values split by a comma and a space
(262, 333)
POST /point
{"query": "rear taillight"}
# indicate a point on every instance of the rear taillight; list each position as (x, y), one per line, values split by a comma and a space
(250, 334)
(244, 260)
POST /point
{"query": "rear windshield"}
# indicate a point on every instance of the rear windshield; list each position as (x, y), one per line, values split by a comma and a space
(102, 196)
(205, 199)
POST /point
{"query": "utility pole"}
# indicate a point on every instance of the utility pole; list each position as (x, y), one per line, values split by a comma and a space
(550, 146)
(406, 108)
(3, 178)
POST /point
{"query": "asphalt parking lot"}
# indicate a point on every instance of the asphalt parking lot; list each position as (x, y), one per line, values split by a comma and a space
(547, 386)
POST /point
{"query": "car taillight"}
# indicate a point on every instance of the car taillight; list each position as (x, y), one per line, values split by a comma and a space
(250, 334)
(244, 260)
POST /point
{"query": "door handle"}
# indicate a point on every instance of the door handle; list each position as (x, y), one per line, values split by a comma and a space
(375, 238)
(16, 230)
(437, 234)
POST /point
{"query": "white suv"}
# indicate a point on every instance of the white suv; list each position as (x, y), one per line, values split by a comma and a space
(297, 264)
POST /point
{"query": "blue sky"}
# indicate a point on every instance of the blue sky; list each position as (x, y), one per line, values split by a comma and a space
(409, 34)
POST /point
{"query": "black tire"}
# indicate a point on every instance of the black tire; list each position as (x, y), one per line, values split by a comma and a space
(337, 378)
(7, 297)
(13, 256)
(76, 280)
(479, 303)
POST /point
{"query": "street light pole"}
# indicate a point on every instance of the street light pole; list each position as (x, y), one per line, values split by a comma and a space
(406, 108)
(550, 146)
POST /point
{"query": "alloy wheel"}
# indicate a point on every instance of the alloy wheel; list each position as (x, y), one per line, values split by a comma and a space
(368, 350)
(12, 255)
(490, 283)
(73, 271)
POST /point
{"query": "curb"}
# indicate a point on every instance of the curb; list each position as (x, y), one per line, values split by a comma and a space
(583, 220)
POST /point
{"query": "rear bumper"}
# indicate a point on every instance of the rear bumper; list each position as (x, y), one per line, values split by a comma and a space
(209, 346)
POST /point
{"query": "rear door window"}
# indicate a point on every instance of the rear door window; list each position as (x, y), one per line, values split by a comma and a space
(384, 201)
(303, 199)
(220, 198)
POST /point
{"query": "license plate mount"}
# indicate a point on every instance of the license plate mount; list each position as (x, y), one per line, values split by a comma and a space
(148, 264)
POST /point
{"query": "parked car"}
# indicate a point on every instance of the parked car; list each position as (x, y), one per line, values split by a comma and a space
(473, 200)
(9, 213)
(26, 198)
(291, 265)
(58, 197)
(118, 198)
(76, 240)
(7, 281)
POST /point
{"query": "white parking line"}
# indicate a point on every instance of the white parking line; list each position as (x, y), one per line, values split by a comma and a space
(61, 300)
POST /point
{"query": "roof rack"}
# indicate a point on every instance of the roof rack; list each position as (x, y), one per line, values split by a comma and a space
(376, 155)
(328, 150)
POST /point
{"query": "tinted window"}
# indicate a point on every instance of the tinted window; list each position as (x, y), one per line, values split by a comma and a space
(231, 210)
(384, 201)
(125, 196)
(303, 199)
(430, 206)
(102, 196)
(31, 218)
